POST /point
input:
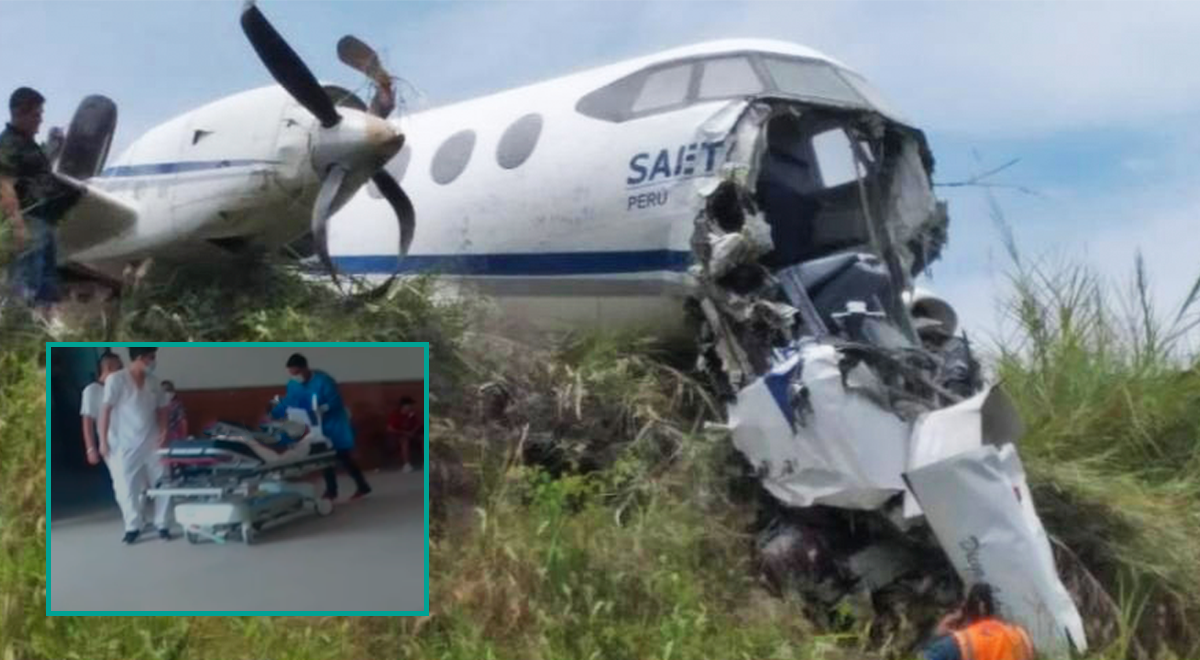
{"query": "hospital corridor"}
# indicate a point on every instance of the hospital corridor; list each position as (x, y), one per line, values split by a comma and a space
(237, 479)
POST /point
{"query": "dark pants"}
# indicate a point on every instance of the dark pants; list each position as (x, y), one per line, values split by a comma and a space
(331, 485)
(34, 271)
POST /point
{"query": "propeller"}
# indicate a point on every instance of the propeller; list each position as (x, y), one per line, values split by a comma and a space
(361, 57)
(286, 66)
(403, 208)
(352, 146)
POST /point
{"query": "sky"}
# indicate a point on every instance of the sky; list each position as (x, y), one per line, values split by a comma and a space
(1099, 101)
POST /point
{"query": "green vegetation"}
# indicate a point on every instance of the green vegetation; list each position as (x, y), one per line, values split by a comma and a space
(1110, 393)
(632, 544)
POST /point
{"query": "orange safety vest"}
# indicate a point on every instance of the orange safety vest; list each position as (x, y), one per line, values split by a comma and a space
(990, 639)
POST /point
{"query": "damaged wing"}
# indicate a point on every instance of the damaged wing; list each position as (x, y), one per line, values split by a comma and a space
(981, 511)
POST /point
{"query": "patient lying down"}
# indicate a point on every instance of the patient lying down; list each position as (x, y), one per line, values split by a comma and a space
(277, 442)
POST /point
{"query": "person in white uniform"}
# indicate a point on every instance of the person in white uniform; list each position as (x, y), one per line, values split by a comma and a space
(133, 425)
(93, 400)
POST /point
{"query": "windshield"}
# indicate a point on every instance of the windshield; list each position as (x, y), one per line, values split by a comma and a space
(871, 94)
(811, 79)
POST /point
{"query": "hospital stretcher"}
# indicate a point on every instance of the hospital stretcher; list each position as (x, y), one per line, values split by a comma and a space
(236, 482)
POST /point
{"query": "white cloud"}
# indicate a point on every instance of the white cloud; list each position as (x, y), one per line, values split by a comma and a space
(983, 68)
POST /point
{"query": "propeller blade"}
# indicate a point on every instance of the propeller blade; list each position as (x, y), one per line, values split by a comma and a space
(286, 66)
(361, 57)
(405, 215)
(321, 212)
(358, 55)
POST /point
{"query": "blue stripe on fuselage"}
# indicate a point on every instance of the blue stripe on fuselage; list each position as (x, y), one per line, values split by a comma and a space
(157, 169)
(543, 263)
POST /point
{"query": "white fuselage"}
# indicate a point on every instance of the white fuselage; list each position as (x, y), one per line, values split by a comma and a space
(564, 218)
(592, 230)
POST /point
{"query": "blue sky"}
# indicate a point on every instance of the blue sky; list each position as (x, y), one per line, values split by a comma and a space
(1100, 101)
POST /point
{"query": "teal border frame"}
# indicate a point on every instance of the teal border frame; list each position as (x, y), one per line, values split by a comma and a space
(95, 344)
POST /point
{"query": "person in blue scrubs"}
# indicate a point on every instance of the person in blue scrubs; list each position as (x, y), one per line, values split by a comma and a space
(304, 384)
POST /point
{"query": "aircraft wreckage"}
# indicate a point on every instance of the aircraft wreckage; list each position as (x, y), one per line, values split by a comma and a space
(847, 390)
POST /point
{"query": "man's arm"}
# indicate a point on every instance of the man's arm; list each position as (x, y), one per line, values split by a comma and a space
(89, 435)
(943, 648)
(105, 414)
(112, 396)
(291, 399)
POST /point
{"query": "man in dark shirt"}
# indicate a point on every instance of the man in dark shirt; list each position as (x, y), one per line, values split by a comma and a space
(27, 190)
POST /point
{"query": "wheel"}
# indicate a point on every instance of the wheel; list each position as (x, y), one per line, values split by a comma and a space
(249, 534)
(192, 537)
(324, 507)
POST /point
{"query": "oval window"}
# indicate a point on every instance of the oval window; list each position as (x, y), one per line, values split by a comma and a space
(452, 157)
(518, 141)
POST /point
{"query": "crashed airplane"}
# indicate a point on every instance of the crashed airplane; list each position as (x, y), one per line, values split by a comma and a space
(772, 192)
(759, 195)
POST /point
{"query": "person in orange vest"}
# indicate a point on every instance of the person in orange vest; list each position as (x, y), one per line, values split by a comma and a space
(975, 632)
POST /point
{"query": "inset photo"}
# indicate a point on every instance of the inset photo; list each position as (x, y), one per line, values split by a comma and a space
(237, 478)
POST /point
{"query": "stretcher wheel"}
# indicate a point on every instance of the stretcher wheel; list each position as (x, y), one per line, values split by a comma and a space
(192, 537)
(324, 507)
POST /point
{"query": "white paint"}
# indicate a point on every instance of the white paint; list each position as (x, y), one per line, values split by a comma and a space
(210, 368)
(578, 192)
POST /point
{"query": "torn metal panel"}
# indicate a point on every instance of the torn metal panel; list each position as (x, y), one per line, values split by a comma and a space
(979, 506)
(988, 418)
(815, 439)
(919, 221)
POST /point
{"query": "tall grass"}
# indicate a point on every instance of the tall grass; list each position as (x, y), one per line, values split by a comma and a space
(1109, 387)
(631, 544)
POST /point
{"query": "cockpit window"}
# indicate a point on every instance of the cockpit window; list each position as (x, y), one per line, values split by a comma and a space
(810, 79)
(871, 94)
(728, 76)
(663, 88)
(835, 158)
(673, 85)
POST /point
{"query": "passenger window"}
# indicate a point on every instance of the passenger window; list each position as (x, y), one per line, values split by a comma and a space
(663, 88)
(452, 157)
(518, 141)
(728, 76)
(834, 158)
(812, 79)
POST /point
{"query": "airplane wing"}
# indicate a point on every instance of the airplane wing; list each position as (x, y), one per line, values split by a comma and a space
(96, 216)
